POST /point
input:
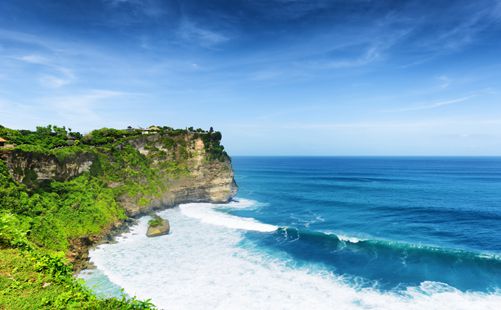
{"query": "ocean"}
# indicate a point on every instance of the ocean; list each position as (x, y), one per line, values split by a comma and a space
(324, 233)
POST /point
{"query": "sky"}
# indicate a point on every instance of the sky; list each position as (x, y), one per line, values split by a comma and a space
(276, 77)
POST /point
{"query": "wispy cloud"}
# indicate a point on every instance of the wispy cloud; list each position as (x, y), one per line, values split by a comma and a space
(81, 110)
(444, 81)
(372, 54)
(20, 114)
(367, 56)
(30, 39)
(435, 105)
(149, 8)
(372, 43)
(34, 59)
(82, 105)
(52, 81)
(265, 75)
(458, 27)
(195, 34)
(57, 76)
(465, 32)
(370, 125)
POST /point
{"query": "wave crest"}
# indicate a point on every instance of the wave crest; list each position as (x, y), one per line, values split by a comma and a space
(208, 213)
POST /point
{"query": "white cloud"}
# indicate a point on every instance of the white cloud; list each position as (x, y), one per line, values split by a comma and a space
(444, 81)
(84, 110)
(19, 115)
(81, 105)
(265, 75)
(478, 17)
(371, 54)
(34, 59)
(193, 33)
(373, 46)
(148, 8)
(434, 105)
(53, 81)
(57, 76)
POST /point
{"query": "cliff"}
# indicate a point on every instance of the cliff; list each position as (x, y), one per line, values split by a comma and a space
(179, 168)
(32, 168)
(200, 177)
(67, 191)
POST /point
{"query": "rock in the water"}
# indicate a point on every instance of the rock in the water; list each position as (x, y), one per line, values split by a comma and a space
(158, 227)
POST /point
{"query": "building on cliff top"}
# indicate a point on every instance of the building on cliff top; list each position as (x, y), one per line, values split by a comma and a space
(151, 129)
(4, 144)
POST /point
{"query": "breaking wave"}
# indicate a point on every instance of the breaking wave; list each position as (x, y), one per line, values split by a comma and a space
(204, 264)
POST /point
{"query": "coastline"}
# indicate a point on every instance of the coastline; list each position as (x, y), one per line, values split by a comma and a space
(130, 172)
(64, 193)
(79, 248)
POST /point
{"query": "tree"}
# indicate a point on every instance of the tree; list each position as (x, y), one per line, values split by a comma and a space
(216, 136)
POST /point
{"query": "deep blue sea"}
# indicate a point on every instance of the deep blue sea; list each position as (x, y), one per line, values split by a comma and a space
(324, 232)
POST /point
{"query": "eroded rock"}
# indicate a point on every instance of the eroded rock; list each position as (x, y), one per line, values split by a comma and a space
(158, 226)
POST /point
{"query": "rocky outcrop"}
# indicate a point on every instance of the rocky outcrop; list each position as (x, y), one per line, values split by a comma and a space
(158, 227)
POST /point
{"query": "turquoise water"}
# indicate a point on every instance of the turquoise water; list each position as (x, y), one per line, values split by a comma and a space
(391, 222)
(323, 233)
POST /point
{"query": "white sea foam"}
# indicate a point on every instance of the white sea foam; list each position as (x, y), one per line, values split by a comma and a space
(204, 266)
(242, 203)
(348, 238)
(344, 237)
(208, 213)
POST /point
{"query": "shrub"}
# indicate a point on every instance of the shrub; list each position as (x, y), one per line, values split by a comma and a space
(155, 221)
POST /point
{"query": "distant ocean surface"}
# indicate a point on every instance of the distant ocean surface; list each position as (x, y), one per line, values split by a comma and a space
(324, 233)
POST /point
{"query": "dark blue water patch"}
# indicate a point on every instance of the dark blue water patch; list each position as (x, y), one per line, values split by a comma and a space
(363, 179)
(450, 203)
(387, 265)
(435, 214)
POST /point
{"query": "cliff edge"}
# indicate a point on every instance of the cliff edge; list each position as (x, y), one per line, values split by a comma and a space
(68, 190)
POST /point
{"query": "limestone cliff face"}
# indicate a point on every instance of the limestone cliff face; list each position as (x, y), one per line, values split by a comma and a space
(34, 168)
(204, 179)
(212, 182)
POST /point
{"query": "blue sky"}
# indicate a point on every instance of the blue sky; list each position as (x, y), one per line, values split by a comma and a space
(277, 77)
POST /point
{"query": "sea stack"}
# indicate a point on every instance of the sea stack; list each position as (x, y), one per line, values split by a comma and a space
(157, 226)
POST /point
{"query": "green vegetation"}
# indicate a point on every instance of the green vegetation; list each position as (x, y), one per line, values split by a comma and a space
(155, 221)
(33, 279)
(41, 220)
(66, 210)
